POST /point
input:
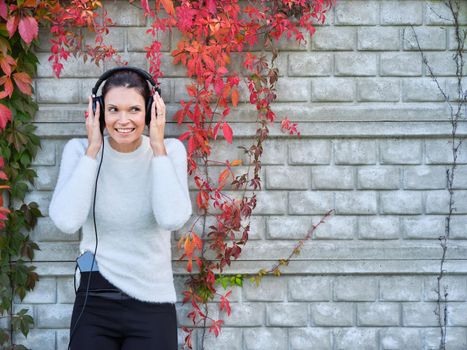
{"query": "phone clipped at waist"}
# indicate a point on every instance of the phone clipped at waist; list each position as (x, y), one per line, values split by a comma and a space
(87, 262)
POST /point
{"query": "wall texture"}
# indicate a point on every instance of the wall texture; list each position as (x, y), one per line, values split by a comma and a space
(375, 147)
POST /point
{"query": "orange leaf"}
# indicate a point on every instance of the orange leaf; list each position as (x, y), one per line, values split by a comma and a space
(236, 162)
(169, 6)
(6, 63)
(5, 116)
(223, 176)
(235, 97)
(24, 81)
(28, 29)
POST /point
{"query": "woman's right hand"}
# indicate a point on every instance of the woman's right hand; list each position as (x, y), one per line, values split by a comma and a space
(93, 130)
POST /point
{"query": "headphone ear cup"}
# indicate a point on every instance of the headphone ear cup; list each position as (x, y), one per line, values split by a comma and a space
(148, 110)
(101, 113)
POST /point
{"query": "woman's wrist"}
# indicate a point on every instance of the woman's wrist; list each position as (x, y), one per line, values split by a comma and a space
(92, 152)
(159, 149)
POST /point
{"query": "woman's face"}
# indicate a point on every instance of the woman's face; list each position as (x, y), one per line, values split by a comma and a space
(124, 118)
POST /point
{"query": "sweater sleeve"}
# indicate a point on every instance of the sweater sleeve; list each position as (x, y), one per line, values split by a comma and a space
(72, 197)
(171, 201)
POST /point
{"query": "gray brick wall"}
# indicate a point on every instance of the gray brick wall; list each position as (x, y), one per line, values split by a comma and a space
(375, 146)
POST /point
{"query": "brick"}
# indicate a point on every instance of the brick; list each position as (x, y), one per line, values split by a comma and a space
(337, 227)
(355, 288)
(287, 314)
(441, 64)
(401, 12)
(310, 202)
(72, 68)
(460, 177)
(229, 338)
(421, 90)
(428, 38)
(332, 177)
(310, 338)
(289, 227)
(53, 316)
(246, 315)
(45, 291)
(310, 152)
(45, 154)
(310, 64)
(381, 178)
(124, 14)
(271, 203)
(65, 290)
(400, 338)
(309, 288)
(401, 202)
(356, 13)
(269, 289)
(424, 177)
(458, 225)
(440, 152)
(426, 227)
(379, 227)
(355, 152)
(355, 339)
(378, 38)
(293, 89)
(356, 64)
(457, 314)
(395, 64)
(378, 314)
(332, 314)
(456, 287)
(138, 39)
(279, 177)
(378, 90)
(57, 90)
(116, 39)
(456, 338)
(419, 314)
(356, 202)
(400, 288)
(265, 338)
(334, 38)
(436, 13)
(333, 89)
(46, 178)
(45, 231)
(37, 339)
(453, 43)
(437, 202)
(400, 151)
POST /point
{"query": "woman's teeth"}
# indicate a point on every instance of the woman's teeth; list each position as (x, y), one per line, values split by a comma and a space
(125, 131)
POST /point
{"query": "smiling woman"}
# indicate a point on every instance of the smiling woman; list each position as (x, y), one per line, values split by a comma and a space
(140, 195)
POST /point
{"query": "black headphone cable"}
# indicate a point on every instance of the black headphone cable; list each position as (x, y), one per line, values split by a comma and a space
(95, 249)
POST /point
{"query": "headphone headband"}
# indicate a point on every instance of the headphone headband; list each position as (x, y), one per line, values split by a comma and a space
(108, 73)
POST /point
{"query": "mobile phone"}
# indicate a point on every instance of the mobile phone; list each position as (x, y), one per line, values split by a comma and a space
(85, 262)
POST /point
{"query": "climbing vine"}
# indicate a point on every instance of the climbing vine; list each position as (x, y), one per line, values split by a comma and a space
(211, 32)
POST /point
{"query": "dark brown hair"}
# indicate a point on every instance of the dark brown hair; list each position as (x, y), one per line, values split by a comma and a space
(127, 79)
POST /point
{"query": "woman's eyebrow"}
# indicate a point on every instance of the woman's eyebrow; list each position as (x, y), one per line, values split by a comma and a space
(110, 104)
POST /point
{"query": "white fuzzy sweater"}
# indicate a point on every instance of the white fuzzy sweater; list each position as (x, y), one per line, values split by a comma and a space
(140, 199)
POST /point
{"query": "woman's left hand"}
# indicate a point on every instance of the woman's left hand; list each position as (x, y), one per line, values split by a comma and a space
(157, 125)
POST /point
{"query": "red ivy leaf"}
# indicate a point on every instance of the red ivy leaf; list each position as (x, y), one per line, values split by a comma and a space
(5, 116)
(227, 130)
(11, 25)
(28, 29)
(3, 10)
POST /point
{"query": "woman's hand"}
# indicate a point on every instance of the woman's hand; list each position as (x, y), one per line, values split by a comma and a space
(157, 125)
(93, 130)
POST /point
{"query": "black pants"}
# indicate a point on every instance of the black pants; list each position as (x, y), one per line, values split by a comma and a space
(112, 320)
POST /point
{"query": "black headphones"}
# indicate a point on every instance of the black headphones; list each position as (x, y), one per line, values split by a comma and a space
(145, 75)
